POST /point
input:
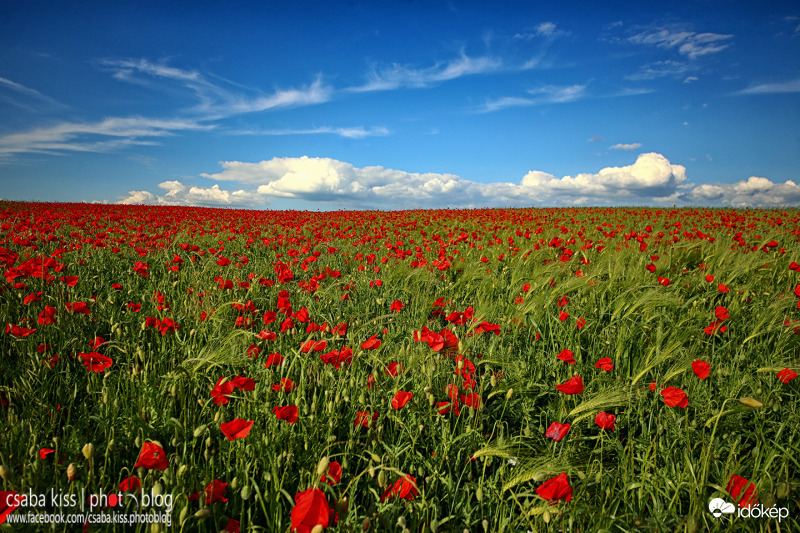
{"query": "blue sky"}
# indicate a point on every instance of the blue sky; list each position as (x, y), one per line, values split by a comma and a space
(304, 105)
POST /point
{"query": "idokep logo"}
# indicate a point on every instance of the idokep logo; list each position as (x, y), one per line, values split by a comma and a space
(723, 510)
(720, 508)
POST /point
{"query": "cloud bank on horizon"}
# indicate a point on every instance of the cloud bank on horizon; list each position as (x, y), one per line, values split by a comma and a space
(329, 183)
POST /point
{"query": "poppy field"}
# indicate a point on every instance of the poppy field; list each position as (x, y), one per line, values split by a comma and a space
(582, 370)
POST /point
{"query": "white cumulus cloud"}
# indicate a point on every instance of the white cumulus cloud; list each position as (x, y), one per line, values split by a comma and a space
(650, 180)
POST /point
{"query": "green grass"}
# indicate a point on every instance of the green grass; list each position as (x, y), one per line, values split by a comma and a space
(657, 471)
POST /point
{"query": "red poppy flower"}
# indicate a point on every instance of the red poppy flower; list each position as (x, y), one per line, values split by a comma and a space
(232, 526)
(44, 452)
(364, 418)
(786, 375)
(168, 326)
(651, 267)
(571, 386)
(722, 288)
(310, 509)
(397, 305)
(373, 343)
(5, 508)
(563, 315)
(404, 488)
(135, 308)
(47, 316)
(605, 420)
(653, 386)
(152, 456)
(337, 358)
(567, 356)
(222, 391)
(78, 307)
(401, 398)
(286, 412)
(19, 331)
(237, 428)
(605, 363)
(675, 397)
(214, 492)
(471, 400)
(130, 483)
(580, 323)
(714, 327)
(526, 287)
(96, 362)
(446, 407)
(267, 335)
(96, 343)
(246, 384)
(722, 313)
(709, 278)
(663, 281)
(70, 281)
(286, 385)
(557, 431)
(393, 369)
(701, 368)
(556, 488)
(32, 297)
(742, 490)
(333, 475)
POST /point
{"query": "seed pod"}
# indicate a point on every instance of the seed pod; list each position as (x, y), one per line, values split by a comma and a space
(72, 472)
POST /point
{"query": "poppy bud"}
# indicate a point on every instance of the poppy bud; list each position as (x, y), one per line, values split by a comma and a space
(88, 450)
(202, 513)
(382, 478)
(157, 489)
(182, 470)
(509, 394)
(365, 524)
(485, 524)
(246, 492)
(200, 430)
(401, 521)
(317, 529)
(5, 473)
(783, 490)
(184, 515)
(752, 403)
(72, 472)
(374, 457)
(322, 466)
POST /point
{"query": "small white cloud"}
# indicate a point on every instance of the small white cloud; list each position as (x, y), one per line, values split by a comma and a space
(138, 197)
(690, 79)
(632, 146)
(595, 139)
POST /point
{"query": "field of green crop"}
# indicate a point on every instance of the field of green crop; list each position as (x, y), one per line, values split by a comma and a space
(578, 370)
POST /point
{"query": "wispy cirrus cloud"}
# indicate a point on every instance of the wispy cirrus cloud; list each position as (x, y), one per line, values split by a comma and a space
(792, 86)
(402, 76)
(358, 132)
(217, 98)
(27, 94)
(549, 94)
(105, 135)
(688, 43)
